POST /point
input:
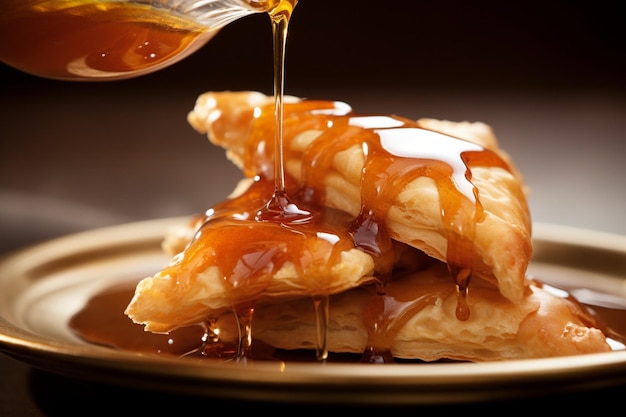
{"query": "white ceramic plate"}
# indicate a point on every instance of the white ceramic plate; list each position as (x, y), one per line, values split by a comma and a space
(41, 287)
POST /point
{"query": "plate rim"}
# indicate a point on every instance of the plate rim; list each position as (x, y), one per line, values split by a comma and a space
(329, 382)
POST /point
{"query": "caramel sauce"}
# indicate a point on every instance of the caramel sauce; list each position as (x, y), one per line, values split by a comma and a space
(89, 40)
(102, 321)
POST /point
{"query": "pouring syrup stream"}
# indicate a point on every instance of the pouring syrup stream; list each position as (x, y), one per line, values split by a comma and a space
(280, 207)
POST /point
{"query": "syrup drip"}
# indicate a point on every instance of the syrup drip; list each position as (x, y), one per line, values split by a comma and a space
(244, 314)
(322, 305)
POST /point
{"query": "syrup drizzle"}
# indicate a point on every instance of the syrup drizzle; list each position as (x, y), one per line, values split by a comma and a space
(280, 207)
(395, 152)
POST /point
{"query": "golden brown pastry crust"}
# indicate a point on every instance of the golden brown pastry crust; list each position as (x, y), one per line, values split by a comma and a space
(176, 297)
(502, 238)
(540, 325)
(511, 317)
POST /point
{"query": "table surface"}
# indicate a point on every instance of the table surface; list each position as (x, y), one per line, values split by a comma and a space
(77, 156)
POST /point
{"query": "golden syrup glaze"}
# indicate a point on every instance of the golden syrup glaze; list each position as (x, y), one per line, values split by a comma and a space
(248, 245)
(397, 151)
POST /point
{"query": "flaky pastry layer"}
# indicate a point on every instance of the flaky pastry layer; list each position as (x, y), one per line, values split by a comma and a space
(181, 295)
(511, 317)
(502, 241)
(540, 325)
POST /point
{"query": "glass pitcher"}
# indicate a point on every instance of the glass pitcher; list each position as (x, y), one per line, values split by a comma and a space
(112, 39)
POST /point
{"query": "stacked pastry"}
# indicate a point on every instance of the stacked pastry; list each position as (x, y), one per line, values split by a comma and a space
(415, 236)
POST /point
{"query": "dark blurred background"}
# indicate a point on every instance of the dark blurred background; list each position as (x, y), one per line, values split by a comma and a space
(549, 77)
